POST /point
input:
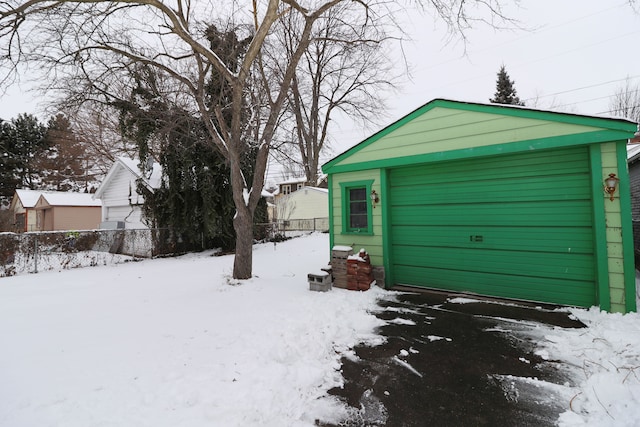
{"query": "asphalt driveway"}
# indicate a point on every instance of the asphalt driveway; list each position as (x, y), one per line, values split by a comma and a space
(448, 363)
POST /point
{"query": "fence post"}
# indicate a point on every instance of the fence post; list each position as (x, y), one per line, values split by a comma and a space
(35, 253)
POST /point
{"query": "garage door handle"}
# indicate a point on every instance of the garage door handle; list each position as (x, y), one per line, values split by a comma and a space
(473, 238)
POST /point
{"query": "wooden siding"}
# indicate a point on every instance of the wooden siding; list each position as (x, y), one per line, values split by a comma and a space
(372, 243)
(116, 202)
(615, 227)
(30, 216)
(131, 215)
(306, 203)
(445, 129)
(62, 218)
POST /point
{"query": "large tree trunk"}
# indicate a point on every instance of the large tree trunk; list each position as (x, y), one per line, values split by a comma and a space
(243, 261)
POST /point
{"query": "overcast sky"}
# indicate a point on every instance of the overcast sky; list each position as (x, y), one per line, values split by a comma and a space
(573, 53)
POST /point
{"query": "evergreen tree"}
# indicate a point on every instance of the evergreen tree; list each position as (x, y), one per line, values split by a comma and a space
(22, 143)
(64, 168)
(194, 202)
(9, 179)
(505, 90)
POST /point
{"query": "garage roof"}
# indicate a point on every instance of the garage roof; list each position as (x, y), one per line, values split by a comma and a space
(445, 129)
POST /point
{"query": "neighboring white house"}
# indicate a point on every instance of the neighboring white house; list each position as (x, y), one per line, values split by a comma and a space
(304, 209)
(121, 203)
(291, 185)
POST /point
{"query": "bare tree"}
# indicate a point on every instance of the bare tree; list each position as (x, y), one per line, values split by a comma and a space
(97, 126)
(625, 102)
(91, 44)
(345, 69)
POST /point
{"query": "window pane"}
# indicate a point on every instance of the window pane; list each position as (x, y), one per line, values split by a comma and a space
(358, 194)
(358, 208)
(358, 221)
(358, 205)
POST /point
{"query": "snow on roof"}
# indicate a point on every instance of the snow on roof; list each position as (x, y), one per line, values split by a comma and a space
(301, 192)
(153, 180)
(294, 180)
(321, 190)
(321, 177)
(60, 198)
(632, 151)
(28, 197)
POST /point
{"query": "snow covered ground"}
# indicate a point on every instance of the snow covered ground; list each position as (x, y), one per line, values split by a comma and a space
(175, 342)
(605, 362)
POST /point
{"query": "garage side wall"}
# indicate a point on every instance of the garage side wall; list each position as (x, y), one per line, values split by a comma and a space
(373, 243)
(619, 267)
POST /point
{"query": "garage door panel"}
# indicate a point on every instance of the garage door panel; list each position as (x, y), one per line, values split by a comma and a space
(563, 162)
(532, 189)
(558, 291)
(528, 214)
(538, 239)
(497, 226)
(567, 266)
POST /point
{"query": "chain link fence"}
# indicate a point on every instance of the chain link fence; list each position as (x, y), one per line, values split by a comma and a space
(56, 250)
(40, 251)
(311, 224)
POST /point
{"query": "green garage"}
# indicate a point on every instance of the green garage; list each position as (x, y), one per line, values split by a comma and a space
(494, 201)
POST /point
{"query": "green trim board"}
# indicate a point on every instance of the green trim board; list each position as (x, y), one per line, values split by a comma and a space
(487, 110)
(386, 228)
(599, 229)
(331, 221)
(346, 189)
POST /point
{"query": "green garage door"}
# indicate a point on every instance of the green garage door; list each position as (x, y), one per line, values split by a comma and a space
(514, 226)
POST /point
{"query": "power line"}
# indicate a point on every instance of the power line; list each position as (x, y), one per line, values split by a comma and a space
(582, 88)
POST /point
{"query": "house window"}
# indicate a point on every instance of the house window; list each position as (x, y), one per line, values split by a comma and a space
(299, 186)
(286, 189)
(356, 212)
(358, 208)
(21, 222)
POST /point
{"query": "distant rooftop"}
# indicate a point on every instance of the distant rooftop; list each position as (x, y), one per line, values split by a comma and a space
(60, 198)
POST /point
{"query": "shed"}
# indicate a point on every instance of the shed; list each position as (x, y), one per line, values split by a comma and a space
(67, 211)
(121, 202)
(492, 200)
(22, 206)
